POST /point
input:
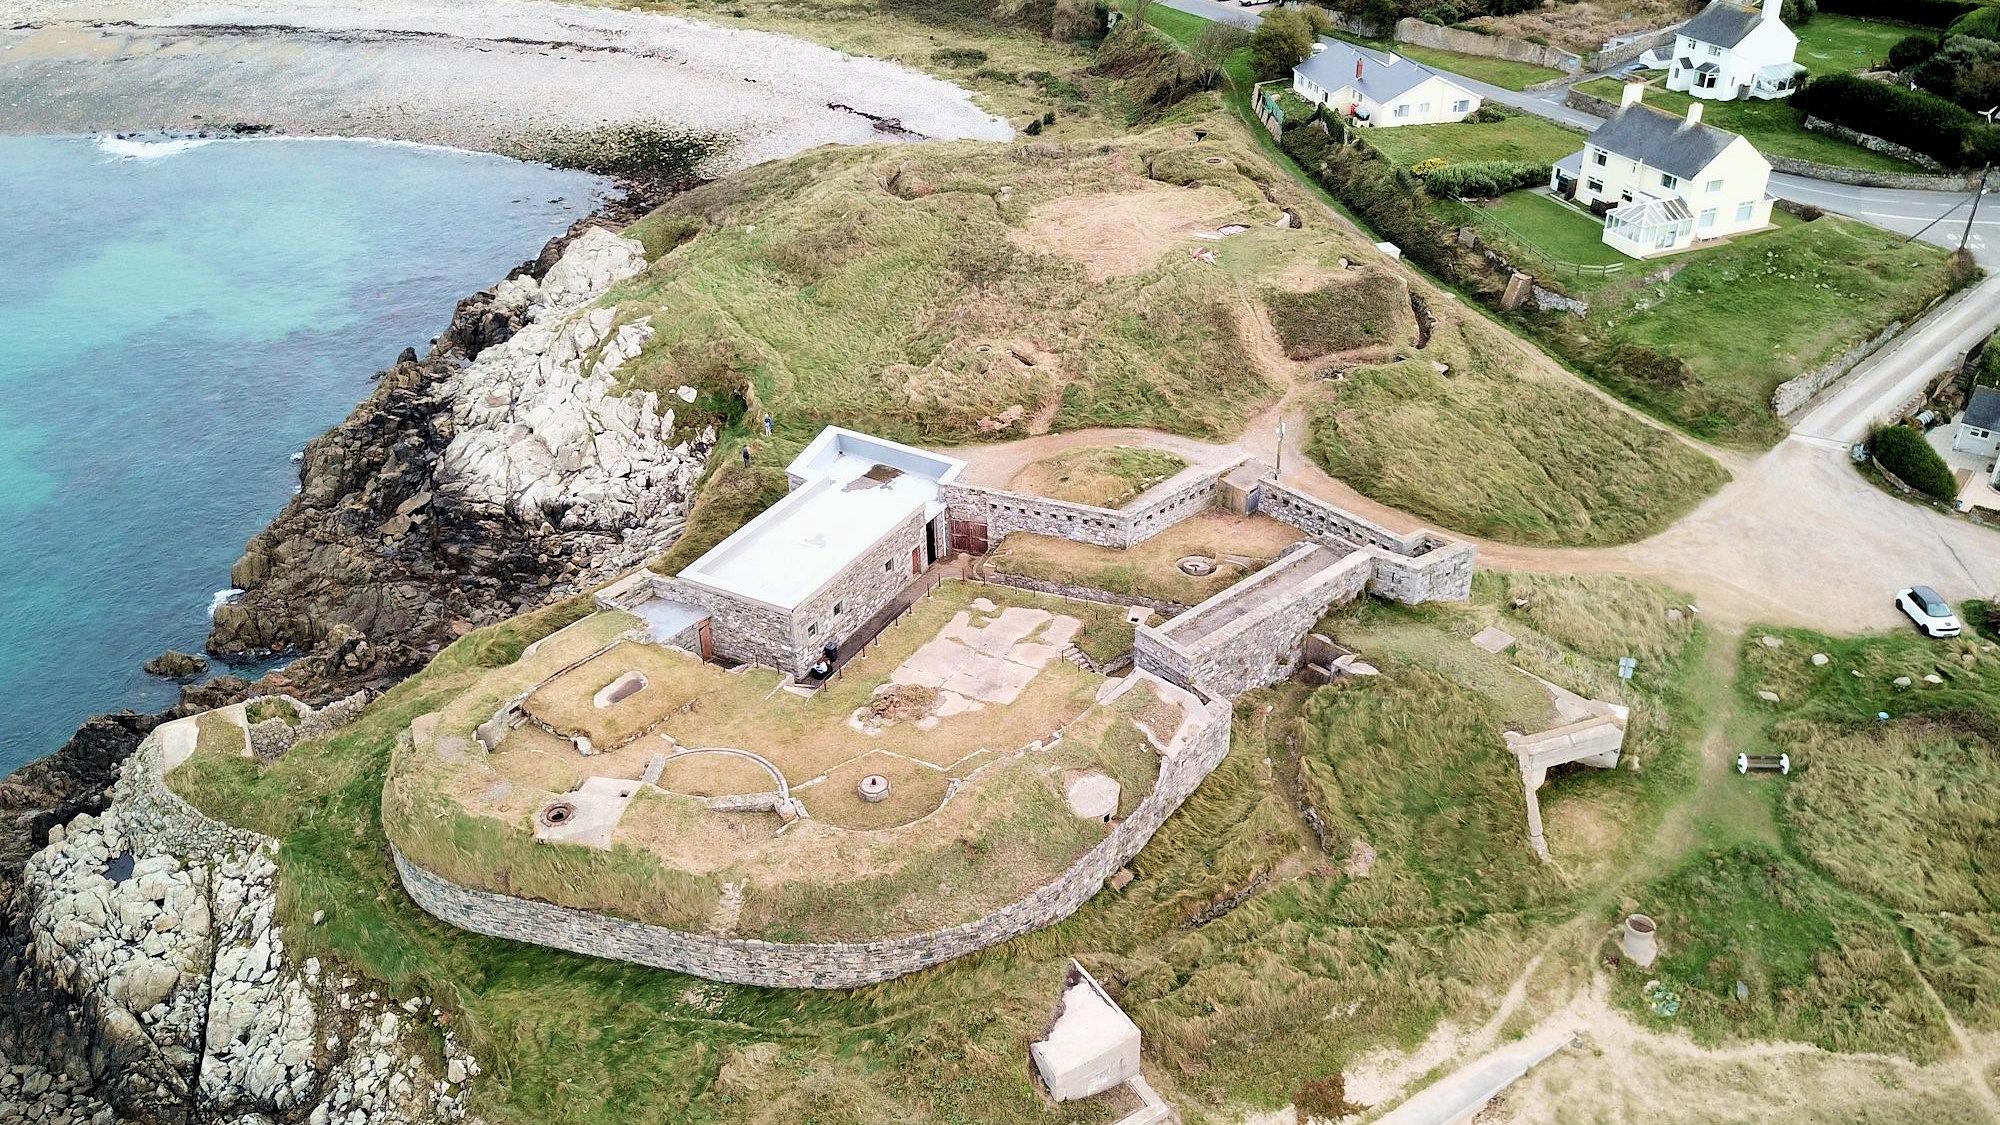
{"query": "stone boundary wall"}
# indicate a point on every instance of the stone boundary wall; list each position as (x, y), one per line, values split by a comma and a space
(1590, 103)
(148, 808)
(1794, 393)
(828, 965)
(1264, 643)
(1635, 45)
(1870, 142)
(1160, 508)
(1412, 30)
(273, 738)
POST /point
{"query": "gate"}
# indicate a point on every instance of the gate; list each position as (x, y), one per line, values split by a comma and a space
(968, 537)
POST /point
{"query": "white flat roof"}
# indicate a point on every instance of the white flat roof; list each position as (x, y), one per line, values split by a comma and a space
(799, 544)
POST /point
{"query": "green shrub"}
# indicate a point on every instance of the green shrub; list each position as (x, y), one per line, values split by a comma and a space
(1965, 70)
(1913, 118)
(1798, 13)
(1987, 373)
(1490, 113)
(662, 157)
(1484, 179)
(958, 56)
(1980, 23)
(1904, 453)
(1394, 203)
(1912, 49)
(1284, 40)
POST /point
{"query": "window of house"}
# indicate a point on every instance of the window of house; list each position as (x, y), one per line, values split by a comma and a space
(1424, 108)
(1714, 50)
(812, 630)
(1625, 196)
(1744, 211)
(1713, 186)
(1403, 110)
(836, 607)
(1594, 185)
(1975, 431)
(887, 564)
(1667, 181)
(1599, 157)
(1708, 218)
(1462, 105)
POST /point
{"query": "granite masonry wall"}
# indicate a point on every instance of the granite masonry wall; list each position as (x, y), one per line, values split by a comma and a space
(1795, 392)
(272, 738)
(1253, 633)
(870, 582)
(741, 630)
(1412, 30)
(153, 811)
(832, 965)
(1004, 512)
(1419, 567)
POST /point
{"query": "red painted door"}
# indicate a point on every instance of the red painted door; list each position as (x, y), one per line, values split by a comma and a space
(916, 560)
(707, 641)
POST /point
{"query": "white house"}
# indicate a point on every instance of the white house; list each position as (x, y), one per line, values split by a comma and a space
(1731, 51)
(1378, 87)
(1664, 182)
(1979, 427)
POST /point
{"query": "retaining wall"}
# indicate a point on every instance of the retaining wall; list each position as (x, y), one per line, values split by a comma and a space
(272, 738)
(1796, 392)
(1412, 30)
(829, 965)
(1419, 567)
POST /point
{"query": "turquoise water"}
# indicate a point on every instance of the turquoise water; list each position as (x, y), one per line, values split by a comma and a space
(173, 329)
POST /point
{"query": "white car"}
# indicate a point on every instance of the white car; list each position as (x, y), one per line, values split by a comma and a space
(1932, 613)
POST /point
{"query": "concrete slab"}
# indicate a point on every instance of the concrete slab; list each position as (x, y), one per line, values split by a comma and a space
(177, 741)
(1493, 640)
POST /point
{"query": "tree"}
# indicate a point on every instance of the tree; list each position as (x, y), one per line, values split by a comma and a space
(1905, 454)
(1213, 47)
(1285, 38)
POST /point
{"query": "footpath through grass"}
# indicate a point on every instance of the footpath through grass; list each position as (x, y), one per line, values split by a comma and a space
(1881, 869)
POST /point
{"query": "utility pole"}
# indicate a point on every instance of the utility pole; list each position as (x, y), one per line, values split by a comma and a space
(1280, 471)
(1974, 213)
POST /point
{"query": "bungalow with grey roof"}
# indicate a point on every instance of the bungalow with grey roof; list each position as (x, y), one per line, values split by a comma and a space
(1664, 182)
(1379, 88)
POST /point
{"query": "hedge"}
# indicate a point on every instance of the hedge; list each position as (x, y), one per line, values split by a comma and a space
(1927, 13)
(1913, 49)
(1913, 118)
(1485, 179)
(1394, 203)
(1904, 453)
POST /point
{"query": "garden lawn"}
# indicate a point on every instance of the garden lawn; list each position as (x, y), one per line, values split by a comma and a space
(1525, 138)
(1747, 315)
(1552, 231)
(1773, 126)
(1844, 45)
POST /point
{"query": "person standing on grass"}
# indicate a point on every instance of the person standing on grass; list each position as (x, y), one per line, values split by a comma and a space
(767, 425)
(746, 456)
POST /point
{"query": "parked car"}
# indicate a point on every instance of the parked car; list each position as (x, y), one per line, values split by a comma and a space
(1932, 613)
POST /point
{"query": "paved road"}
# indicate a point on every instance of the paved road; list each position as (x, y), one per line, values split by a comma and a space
(1897, 372)
(1905, 212)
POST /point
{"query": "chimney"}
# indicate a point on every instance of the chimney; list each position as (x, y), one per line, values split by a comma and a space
(1631, 94)
(1694, 115)
(1357, 68)
(1773, 9)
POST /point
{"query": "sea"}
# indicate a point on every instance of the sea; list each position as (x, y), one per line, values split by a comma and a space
(178, 316)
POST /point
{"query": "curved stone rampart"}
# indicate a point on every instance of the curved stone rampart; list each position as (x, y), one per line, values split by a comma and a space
(827, 965)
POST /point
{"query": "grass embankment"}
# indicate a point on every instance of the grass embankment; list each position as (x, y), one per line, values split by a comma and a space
(1231, 992)
(1772, 125)
(1510, 452)
(1830, 44)
(1104, 476)
(1882, 870)
(1504, 73)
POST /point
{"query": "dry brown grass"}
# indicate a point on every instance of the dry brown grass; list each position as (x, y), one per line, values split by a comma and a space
(1149, 569)
(672, 683)
(714, 775)
(218, 733)
(914, 791)
(1582, 27)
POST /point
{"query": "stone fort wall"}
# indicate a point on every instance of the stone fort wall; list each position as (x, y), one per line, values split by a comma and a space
(1268, 616)
(1414, 568)
(827, 965)
(1005, 512)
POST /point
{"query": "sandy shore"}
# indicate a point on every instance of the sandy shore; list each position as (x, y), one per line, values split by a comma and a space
(481, 74)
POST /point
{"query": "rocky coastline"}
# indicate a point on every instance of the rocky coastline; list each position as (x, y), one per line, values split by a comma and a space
(494, 473)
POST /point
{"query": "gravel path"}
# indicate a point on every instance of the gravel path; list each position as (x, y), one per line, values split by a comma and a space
(482, 74)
